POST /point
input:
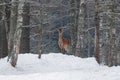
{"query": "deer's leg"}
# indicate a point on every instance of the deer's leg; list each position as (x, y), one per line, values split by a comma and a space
(60, 47)
(67, 51)
(62, 50)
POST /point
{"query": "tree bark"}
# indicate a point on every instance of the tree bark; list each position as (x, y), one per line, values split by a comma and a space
(25, 38)
(112, 57)
(81, 32)
(17, 36)
(3, 34)
(74, 12)
(97, 47)
(13, 24)
(88, 33)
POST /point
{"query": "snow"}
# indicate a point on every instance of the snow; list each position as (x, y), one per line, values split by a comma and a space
(56, 66)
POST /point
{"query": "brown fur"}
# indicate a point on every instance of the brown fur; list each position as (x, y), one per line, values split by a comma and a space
(63, 42)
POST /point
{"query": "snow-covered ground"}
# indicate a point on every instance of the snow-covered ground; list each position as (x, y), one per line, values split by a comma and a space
(55, 66)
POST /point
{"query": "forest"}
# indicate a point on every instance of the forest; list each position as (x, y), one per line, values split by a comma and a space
(87, 28)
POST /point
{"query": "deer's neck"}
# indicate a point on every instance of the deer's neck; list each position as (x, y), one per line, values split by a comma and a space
(60, 37)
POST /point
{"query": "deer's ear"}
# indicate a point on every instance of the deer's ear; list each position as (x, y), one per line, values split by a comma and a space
(61, 29)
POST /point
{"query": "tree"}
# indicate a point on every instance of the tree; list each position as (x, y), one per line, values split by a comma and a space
(40, 32)
(112, 55)
(88, 26)
(13, 24)
(3, 32)
(15, 31)
(97, 34)
(74, 13)
(25, 37)
(109, 55)
(80, 30)
(104, 32)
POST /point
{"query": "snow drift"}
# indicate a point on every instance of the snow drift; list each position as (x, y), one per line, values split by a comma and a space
(55, 66)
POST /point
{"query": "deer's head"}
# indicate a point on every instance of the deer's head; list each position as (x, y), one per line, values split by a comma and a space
(60, 31)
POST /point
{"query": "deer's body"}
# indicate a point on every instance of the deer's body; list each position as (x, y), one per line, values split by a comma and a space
(63, 42)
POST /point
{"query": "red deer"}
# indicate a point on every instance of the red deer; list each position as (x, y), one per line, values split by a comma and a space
(64, 43)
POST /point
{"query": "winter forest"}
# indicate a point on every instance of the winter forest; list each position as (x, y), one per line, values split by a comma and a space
(83, 28)
(70, 39)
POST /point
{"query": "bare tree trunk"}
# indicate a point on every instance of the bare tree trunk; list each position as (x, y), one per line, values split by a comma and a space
(97, 47)
(3, 34)
(40, 42)
(13, 24)
(89, 36)
(112, 58)
(25, 38)
(17, 37)
(80, 47)
(40, 32)
(74, 13)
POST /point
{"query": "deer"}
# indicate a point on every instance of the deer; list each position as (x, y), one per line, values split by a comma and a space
(63, 43)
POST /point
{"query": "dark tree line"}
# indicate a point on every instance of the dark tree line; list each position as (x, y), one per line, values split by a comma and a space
(30, 26)
(97, 30)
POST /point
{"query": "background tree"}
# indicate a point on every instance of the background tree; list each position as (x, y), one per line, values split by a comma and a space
(112, 55)
(74, 13)
(97, 33)
(17, 36)
(13, 24)
(80, 32)
(109, 30)
(25, 37)
(3, 28)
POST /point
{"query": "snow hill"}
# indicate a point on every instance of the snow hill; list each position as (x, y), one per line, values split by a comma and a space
(55, 66)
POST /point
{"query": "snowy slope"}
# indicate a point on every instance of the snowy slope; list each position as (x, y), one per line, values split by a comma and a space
(56, 67)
